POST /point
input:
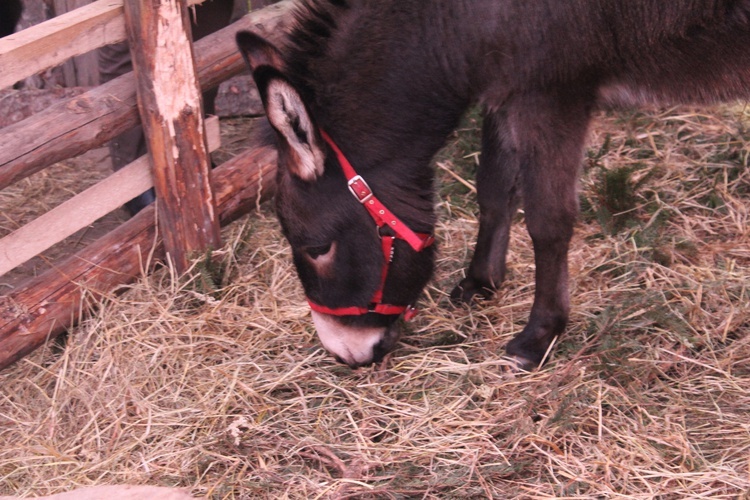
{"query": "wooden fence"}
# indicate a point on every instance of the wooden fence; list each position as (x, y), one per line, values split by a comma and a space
(178, 226)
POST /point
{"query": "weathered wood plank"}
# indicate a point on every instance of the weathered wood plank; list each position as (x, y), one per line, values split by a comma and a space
(64, 130)
(17, 105)
(52, 302)
(73, 127)
(84, 208)
(169, 100)
(52, 42)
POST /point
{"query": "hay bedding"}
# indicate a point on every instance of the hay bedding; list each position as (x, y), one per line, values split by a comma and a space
(224, 390)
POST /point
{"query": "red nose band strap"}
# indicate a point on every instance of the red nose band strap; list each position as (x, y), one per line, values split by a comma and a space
(386, 309)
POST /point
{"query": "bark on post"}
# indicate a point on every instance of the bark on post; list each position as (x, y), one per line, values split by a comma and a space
(169, 101)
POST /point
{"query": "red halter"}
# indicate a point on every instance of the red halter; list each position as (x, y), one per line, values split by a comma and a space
(383, 218)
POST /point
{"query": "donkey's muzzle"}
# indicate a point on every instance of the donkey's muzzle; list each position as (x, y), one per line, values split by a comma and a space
(355, 345)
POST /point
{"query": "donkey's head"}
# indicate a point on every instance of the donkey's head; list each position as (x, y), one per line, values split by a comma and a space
(360, 264)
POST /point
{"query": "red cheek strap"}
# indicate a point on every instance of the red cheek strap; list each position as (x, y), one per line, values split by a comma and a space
(378, 211)
(383, 218)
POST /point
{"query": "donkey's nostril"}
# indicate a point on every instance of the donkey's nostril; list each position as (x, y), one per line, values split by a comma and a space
(354, 364)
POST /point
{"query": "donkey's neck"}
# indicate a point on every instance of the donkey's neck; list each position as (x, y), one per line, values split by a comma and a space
(379, 79)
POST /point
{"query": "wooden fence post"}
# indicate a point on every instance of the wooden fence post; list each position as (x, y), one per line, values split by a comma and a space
(169, 100)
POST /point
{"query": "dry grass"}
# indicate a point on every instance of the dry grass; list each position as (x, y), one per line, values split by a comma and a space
(225, 390)
(25, 200)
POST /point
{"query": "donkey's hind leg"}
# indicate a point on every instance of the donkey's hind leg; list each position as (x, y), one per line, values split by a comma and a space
(498, 186)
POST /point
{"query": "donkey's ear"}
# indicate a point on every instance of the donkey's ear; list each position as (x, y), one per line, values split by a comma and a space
(299, 136)
(285, 108)
(257, 51)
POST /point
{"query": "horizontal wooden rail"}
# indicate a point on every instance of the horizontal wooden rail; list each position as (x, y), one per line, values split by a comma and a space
(46, 305)
(84, 208)
(52, 42)
(54, 301)
(72, 127)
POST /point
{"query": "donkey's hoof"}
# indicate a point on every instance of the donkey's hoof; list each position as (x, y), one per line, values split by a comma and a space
(471, 290)
(519, 364)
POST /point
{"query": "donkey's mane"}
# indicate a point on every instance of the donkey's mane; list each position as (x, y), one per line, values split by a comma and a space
(315, 21)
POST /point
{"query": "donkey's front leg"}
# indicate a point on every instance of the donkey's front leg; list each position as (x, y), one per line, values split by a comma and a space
(550, 131)
(498, 194)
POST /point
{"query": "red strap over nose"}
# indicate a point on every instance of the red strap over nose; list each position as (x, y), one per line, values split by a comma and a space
(386, 309)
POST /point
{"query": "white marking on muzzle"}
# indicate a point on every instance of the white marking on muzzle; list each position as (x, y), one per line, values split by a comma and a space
(355, 346)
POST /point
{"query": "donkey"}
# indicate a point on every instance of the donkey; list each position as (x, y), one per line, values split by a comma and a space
(365, 92)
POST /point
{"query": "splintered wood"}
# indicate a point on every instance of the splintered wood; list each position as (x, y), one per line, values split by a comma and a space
(169, 100)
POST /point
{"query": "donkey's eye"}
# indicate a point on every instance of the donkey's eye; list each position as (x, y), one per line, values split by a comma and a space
(317, 251)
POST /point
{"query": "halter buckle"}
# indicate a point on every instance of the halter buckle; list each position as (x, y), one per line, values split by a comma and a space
(359, 188)
(410, 312)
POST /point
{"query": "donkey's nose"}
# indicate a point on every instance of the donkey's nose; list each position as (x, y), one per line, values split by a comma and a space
(355, 365)
(353, 345)
(378, 355)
